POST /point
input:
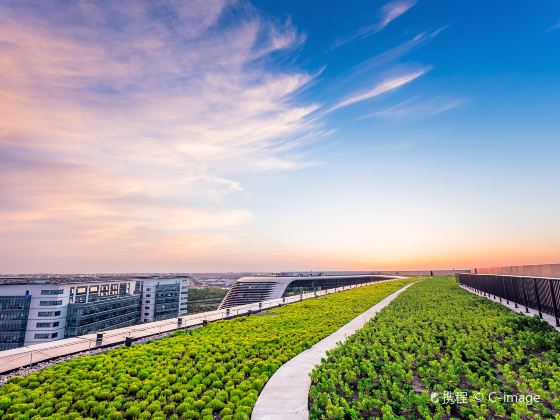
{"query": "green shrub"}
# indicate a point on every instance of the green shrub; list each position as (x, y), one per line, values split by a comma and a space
(189, 374)
(436, 337)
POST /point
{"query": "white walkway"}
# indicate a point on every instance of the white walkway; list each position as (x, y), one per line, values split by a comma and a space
(286, 394)
(511, 305)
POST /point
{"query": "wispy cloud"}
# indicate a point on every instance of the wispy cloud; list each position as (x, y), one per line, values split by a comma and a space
(388, 13)
(384, 86)
(123, 128)
(554, 27)
(397, 52)
(393, 10)
(417, 107)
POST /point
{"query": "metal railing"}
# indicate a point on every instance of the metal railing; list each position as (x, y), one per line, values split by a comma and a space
(538, 293)
(28, 356)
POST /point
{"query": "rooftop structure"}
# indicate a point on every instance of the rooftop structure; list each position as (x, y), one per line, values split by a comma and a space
(257, 289)
(79, 278)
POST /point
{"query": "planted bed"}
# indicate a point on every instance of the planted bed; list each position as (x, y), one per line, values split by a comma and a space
(439, 351)
(215, 371)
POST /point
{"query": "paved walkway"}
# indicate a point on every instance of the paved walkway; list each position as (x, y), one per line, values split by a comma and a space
(511, 305)
(286, 394)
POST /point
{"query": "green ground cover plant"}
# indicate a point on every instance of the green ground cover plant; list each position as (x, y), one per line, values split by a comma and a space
(439, 351)
(213, 372)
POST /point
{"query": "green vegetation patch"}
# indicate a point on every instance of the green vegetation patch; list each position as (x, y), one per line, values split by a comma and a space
(217, 370)
(440, 352)
(204, 300)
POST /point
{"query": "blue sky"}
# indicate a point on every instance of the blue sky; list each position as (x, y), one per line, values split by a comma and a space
(278, 135)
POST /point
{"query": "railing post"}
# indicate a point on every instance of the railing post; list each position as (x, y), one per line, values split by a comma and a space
(512, 288)
(99, 339)
(179, 322)
(526, 301)
(128, 341)
(537, 296)
(496, 287)
(554, 303)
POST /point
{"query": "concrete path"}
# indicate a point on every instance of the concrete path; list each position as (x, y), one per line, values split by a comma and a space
(511, 306)
(286, 394)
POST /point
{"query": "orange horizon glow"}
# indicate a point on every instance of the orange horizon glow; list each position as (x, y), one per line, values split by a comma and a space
(134, 141)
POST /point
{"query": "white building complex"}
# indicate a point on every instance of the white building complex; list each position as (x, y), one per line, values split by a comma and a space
(35, 309)
(260, 288)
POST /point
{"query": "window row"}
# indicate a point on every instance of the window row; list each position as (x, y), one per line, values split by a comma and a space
(50, 302)
(49, 313)
(52, 292)
(43, 336)
(47, 324)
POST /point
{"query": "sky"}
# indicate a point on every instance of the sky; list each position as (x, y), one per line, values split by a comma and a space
(218, 135)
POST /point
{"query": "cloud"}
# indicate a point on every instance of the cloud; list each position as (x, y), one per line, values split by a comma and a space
(124, 126)
(397, 52)
(393, 10)
(384, 86)
(554, 27)
(416, 108)
(388, 13)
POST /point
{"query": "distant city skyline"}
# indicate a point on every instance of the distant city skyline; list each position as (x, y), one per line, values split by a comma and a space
(216, 136)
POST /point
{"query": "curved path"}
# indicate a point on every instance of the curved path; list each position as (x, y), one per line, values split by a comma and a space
(286, 394)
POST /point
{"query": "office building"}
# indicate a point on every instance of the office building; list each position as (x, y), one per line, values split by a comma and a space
(36, 309)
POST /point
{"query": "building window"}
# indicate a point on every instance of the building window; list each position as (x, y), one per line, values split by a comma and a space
(147, 301)
(52, 292)
(93, 289)
(55, 324)
(46, 313)
(50, 302)
(81, 299)
(41, 336)
(147, 308)
(43, 324)
(54, 335)
(145, 319)
(81, 290)
(148, 295)
(146, 314)
(56, 313)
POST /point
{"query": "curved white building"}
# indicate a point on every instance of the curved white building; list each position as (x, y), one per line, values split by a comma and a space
(257, 289)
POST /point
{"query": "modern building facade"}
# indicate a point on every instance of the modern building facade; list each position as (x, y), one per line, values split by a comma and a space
(36, 309)
(163, 297)
(248, 290)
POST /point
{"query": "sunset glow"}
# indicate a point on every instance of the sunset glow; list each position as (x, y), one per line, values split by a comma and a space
(235, 135)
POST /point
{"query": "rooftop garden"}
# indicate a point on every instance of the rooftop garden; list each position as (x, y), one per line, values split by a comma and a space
(441, 352)
(206, 373)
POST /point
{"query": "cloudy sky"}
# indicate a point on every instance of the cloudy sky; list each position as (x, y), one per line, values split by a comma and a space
(206, 135)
